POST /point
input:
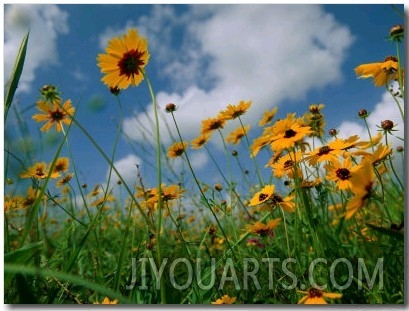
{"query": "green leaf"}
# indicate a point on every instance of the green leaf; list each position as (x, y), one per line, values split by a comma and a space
(15, 76)
(390, 232)
(21, 256)
(65, 277)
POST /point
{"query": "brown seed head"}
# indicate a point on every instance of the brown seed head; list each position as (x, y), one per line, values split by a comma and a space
(387, 125)
(170, 107)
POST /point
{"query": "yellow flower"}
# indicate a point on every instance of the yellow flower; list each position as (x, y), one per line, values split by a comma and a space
(263, 229)
(169, 193)
(38, 171)
(342, 173)
(362, 189)
(379, 155)
(259, 143)
(232, 111)
(106, 301)
(382, 72)
(31, 197)
(235, 136)
(332, 151)
(211, 124)
(286, 165)
(200, 141)
(287, 132)
(64, 180)
(315, 296)
(61, 165)
(12, 202)
(54, 113)
(263, 195)
(103, 200)
(225, 300)
(124, 61)
(268, 117)
(177, 149)
(268, 199)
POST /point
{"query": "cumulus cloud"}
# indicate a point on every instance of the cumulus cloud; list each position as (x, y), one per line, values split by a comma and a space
(127, 168)
(45, 22)
(264, 53)
(386, 109)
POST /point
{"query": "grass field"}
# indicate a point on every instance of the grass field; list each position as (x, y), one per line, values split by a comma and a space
(325, 227)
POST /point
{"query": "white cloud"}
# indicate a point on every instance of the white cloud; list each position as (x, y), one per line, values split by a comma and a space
(127, 168)
(386, 109)
(263, 53)
(45, 22)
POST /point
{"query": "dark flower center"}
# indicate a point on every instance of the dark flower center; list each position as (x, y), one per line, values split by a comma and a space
(288, 164)
(313, 292)
(57, 115)
(59, 167)
(343, 173)
(276, 199)
(40, 173)
(289, 133)
(130, 63)
(179, 151)
(263, 232)
(216, 125)
(262, 197)
(324, 150)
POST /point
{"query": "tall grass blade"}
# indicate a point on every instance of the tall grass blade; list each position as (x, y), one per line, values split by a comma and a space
(15, 76)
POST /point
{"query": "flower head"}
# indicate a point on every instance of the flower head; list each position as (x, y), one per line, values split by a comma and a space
(234, 111)
(225, 300)
(268, 117)
(286, 165)
(381, 72)
(211, 124)
(341, 173)
(396, 33)
(177, 149)
(200, 141)
(63, 181)
(268, 199)
(124, 61)
(169, 193)
(106, 301)
(39, 171)
(287, 132)
(315, 296)
(235, 136)
(49, 93)
(53, 113)
(263, 195)
(264, 230)
(61, 165)
(332, 150)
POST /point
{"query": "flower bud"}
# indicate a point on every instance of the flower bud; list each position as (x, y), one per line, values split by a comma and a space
(396, 33)
(218, 187)
(363, 113)
(170, 107)
(332, 132)
(387, 125)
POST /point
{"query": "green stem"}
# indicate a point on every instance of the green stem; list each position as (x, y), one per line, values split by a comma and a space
(400, 75)
(260, 179)
(159, 180)
(198, 184)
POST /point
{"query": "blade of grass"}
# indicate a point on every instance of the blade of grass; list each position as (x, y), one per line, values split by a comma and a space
(78, 280)
(16, 74)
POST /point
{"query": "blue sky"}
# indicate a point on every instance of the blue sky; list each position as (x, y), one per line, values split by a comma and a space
(203, 57)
